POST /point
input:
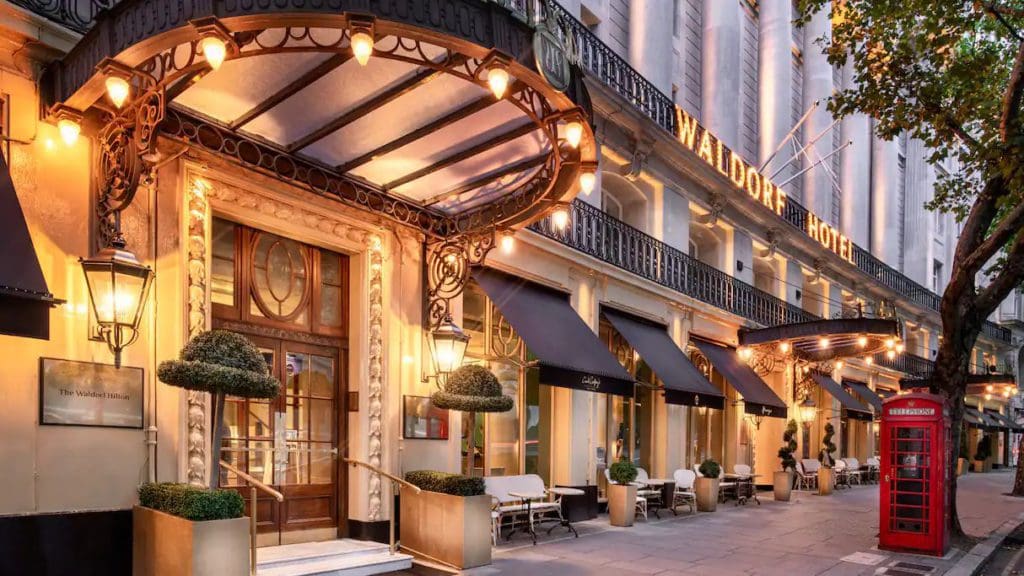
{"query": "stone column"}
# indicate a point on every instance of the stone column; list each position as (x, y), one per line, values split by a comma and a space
(817, 87)
(776, 73)
(919, 224)
(721, 70)
(572, 441)
(855, 174)
(885, 221)
(650, 31)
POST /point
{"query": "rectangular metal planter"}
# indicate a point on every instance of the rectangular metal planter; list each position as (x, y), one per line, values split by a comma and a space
(166, 545)
(452, 530)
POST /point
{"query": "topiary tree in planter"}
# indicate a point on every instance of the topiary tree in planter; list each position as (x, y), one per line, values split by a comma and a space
(789, 446)
(622, 472)
(224, 364)
(471, 389)
(827, 446)
(984, 448)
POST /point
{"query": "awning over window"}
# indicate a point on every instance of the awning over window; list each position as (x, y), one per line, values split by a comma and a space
(866, 393)
(973, 419)
(684, 383)
(1004, 422)
(570, 355)
(981, 420)
(854, 408)
(24, 299)
(758, 398)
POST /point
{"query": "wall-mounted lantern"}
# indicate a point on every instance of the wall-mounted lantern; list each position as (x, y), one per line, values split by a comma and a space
(447, 348)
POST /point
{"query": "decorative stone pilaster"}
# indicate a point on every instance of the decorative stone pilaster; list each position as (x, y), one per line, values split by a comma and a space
(198, 210)
(375, 386)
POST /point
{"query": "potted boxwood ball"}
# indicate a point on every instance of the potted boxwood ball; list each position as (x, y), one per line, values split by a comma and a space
(706, 486)
(826, 475)
(622, 493)
(984, 452)
(782, 481)
(471, 389)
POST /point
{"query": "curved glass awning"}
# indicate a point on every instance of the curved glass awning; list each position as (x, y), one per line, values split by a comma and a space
(824, 340)
(417, 132)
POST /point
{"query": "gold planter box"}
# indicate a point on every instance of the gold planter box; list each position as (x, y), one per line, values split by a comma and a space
(452, 530)
(166, 545)
(826, 481)
(782, 485)
(707, 494)
(621, 504)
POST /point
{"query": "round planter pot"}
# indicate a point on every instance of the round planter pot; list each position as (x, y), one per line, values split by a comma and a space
(621, 504)
(826, 481)
(707, 494)
(782, 485)
(978, 466)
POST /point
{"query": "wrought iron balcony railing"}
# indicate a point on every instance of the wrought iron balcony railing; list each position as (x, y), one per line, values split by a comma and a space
(77, 15)
(914, 366)
(610, 240)
(602, 62)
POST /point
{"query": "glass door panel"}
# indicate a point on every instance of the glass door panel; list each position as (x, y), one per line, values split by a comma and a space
(909, 462)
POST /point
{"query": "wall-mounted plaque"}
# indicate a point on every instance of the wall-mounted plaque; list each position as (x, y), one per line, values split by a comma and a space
(422, 420)
(73, 393)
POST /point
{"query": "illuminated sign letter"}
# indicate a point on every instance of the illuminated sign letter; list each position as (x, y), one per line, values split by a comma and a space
(812, 227)
(737, 169)
(722, 168)
(687, 127)
(753, 183)
(704, 153)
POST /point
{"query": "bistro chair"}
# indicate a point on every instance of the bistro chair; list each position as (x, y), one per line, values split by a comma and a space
(842, 470)
(644, 489)
(724, 488)
(853, 470)
(807, 473)
(873, 465)
(684, 493)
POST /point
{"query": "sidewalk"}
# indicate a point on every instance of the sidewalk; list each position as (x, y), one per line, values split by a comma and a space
(809, 535)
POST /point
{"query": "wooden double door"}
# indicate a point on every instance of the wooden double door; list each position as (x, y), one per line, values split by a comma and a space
(293, 442)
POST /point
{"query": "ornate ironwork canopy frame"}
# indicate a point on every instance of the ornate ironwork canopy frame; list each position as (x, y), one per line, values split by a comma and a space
(160, 50)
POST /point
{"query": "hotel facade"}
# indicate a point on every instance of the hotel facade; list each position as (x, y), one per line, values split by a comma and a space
(338, 213)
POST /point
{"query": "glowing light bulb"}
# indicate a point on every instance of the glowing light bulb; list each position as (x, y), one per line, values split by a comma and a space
(862, 341)
(988, 396)
(118, 90)
(823, 343)
(362, 47)
(508, 242)
(839, 364)
(890, 354)
(900, 348)
(989, 388)
(1006, 393)
(890, 343)
(573, 133)
(784, 347)
(560, 217)
(497, 79)
(744, 353)
(587, 182)
(869, 360)
(69, 130)
(214, 50)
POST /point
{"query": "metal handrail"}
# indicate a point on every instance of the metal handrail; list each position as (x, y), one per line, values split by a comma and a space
(254, 485)
(397, 483)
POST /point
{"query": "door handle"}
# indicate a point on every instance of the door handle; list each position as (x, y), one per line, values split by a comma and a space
(886, 477)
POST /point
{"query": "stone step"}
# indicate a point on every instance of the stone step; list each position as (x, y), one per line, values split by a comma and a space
(330, 558)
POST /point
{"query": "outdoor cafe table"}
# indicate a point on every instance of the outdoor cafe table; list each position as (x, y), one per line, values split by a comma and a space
(667, 486)
(529, 497)
(744, 487)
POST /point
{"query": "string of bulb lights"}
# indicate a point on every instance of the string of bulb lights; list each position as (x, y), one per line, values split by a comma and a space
(784, 348)
(214, 49)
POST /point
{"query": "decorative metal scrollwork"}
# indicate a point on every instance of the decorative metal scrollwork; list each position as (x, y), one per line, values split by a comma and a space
(126, 143)
(762, 362)
(506, 344)
(448, 266)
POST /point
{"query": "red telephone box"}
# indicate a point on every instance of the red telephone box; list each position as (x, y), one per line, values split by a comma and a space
(914, 436)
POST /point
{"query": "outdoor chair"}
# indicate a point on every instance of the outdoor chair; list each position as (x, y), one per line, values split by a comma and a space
(644, 489)
(873, 465)
(724, 488)
(641, 501)
(842, 474)
(508, 510)
(807, 473)
(684, 493)
(853, 470)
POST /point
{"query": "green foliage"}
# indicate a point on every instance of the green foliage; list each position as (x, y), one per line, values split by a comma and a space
(827, 447)
(622, 472)
(191, 502)
(984, 448)
(472, 388)
(710, 469)
(445, 483)
(789, 446)
(221, 362)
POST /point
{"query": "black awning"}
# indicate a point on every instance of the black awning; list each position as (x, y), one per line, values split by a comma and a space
(570, 355)
(983, 420)
(25, 301)
(684, 383)
(854, 408)
(867, 394)
(972, 418)
(1004, 422)
(758, 398)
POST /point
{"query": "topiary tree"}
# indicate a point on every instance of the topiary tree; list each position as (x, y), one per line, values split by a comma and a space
(709, 469)
(224, 364)
(471, 389)
(789, 446)
(984, 448)
(827, 447)
(622, 472)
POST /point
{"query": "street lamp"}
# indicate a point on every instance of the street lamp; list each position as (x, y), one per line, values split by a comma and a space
(447, 347)
(118, 284)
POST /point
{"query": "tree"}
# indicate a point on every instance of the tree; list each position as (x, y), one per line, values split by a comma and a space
(951, 74)
(471, 389)
(827, 446)
(789, 446)
(224, 364)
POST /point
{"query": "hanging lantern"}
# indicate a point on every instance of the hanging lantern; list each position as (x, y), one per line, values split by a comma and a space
(118, 285)
(808, 410)
(447, 347)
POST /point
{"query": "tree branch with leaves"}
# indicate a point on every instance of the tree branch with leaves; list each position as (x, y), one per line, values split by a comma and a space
(951, 74)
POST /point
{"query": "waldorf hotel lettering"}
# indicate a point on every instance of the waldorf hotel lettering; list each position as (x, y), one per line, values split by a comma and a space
(747, 178)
